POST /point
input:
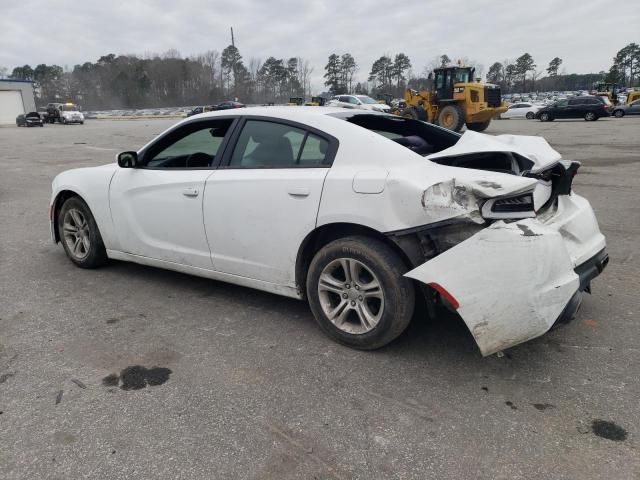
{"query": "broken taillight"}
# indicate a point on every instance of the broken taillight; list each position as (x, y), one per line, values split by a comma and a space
(446, 296)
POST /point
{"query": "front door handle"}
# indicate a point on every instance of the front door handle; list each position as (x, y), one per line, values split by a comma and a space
(299, 192)
(190, 192)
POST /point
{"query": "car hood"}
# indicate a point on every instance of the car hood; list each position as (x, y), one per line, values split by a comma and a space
(535, 149)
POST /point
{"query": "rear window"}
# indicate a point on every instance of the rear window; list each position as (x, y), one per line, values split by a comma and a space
(419, 137)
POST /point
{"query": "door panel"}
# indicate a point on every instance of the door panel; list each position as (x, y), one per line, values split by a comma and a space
(158, 214)
(256, 219)
(157, 208)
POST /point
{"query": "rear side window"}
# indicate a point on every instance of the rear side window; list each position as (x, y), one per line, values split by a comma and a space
(264, 144)
(314, 151)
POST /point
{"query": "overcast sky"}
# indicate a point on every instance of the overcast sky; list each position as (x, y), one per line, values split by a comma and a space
(584, 33)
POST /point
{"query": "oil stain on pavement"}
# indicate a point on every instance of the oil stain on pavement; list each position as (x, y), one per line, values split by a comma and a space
(609, 430)
(137, 377)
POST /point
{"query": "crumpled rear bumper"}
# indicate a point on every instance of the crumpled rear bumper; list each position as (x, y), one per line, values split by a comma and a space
(513, 281)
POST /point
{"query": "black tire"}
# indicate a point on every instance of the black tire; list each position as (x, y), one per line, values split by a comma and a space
(590, 117)
(618, 113)
(451, 117)
(530, 116)
(95, 255)
(479, 126)
(546, 117)
(397, 291)
(414, 113)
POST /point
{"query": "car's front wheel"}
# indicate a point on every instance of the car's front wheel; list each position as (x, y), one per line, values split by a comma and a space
(358, 294)
(619, 113)
(590, 116)
(545, 117)
(79, 234)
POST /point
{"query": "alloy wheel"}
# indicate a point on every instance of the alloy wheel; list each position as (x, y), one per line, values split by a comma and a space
(351, 296)
(76, 233)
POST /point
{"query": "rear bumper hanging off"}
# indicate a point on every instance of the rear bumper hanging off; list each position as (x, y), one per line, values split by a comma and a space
(514, 281)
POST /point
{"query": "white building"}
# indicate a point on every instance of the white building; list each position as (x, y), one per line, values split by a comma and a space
(16, 97)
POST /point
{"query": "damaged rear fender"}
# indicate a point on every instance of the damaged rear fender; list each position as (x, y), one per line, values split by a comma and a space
(511, 281)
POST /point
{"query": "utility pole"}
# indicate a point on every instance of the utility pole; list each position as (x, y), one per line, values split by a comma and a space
(232, 39)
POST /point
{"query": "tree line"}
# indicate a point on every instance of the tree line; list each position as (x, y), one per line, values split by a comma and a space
(169, 79)
(522, 74)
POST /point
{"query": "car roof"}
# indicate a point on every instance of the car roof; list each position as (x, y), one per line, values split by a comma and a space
(293, 113)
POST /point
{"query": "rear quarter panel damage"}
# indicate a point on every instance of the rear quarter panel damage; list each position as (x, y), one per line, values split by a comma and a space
(511, 280)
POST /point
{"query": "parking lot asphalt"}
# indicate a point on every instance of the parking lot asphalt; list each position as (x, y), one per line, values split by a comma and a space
(255, 390)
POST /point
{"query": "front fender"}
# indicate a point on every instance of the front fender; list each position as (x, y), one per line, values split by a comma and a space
(92, 185)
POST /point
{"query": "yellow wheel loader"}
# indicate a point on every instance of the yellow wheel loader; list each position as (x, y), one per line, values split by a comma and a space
(632, 97)
(454, 100)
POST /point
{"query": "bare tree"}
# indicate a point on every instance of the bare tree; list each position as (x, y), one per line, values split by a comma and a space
(304, 73)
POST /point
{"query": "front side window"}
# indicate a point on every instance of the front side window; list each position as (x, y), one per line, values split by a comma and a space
(562, 103)
(193, 146)
(264, 144)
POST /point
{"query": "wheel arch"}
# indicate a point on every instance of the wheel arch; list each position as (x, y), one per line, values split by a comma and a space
(327, 233)
(61, 197)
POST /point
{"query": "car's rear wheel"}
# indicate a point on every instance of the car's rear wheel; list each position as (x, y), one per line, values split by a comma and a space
(358, 294)
(619, 113)
(530, 115)
(590, 116)
(79, 234)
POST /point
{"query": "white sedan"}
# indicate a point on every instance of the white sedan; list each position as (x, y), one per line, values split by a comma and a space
(355, 211)
(521, 110)
(360, 102)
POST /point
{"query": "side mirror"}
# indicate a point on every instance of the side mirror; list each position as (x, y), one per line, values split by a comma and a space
(128, 159)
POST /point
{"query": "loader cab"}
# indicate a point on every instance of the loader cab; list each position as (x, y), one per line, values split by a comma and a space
(445, 78)
(606, 89)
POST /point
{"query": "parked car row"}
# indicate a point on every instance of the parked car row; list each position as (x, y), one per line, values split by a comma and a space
(212, 108)
(588, 107)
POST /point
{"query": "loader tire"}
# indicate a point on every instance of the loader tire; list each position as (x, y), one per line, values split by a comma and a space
(451, 117)
(478, 126)
(414, 113)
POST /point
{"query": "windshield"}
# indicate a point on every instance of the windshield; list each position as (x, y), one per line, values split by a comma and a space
(69, 108)
(365, 99)
(462, 76)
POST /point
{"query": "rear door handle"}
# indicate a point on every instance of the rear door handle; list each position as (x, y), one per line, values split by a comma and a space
(299, 192)
(190, 192)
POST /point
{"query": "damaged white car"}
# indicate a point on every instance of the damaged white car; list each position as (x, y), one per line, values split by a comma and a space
(358, 212)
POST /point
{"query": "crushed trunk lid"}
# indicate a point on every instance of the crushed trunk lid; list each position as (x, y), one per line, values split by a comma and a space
(535, 149)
